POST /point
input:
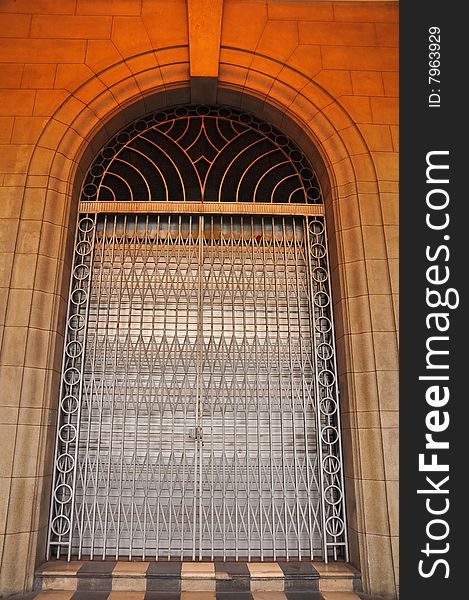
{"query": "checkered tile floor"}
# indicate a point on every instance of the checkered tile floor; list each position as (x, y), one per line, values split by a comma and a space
(165, 576)
(56, 595)
(166, 580)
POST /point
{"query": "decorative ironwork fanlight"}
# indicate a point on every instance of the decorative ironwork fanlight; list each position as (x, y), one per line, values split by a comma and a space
(202, 154)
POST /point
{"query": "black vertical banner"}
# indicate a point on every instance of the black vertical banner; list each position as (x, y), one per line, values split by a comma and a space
(434, 316)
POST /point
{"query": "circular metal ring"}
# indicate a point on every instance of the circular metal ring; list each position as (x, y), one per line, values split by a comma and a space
(69, 404)
(67, 433)
(97, 171)
(306, 173)
(323, 324)
(60, 525)
(314, 194)
(318, 250)
(73, 349)
(320, 274)
(181, 111)
(295, 155)
(63, 493)
(224, 112)
(334, 526)
(108, 152)
(86, 225)
(78, 296)
(65, 463)
(141, 126)
(83, 247)
(245, 118)
(331, 464)
(123, 137)
(76, 322)
(329, 435)
(325, 351)
(90, 190)
(328, 406)
(326, 378)
(81, 272)
(265, 128)
(202, 110)
(316, 227)
(71, 376)
(335, 494)
(321, 299)
(281, 140)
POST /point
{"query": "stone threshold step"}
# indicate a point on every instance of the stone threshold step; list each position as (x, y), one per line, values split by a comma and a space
(70, 595)
(208, 577)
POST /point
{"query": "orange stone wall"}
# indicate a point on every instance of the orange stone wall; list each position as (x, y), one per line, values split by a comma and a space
(71, 74)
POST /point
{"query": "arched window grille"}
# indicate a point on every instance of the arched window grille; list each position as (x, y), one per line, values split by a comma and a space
(199, 409)
(202, 154)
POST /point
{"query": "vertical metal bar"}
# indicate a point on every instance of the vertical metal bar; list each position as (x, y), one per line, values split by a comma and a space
(337, 396)
(81, 525)
(120, 404)
(151, 278)
(269, 392)
(111, 262)
(160, 389)
(67, 478)
(234, 390)
(292, 375)
(167, 360)
(130, 397)
(245, 377)
(90, 413)
(160, 459)
(185, 249)
(316, 388)
(207, 286)
(199, 341)
(84, 507)
(223, 408)
(142, 252)
(258, 406)
(80, 391)
(194, 260)
(124, 398)
(280, 369)
(303, 387)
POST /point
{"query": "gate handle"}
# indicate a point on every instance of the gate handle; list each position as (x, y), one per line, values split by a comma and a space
(196, 433)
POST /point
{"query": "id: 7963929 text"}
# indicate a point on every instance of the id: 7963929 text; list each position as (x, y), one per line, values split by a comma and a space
(434, 62)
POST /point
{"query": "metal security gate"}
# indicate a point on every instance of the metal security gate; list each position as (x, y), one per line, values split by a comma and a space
(195, 375)
(199, 409)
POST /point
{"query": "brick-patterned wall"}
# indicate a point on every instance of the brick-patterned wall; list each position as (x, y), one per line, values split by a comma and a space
(66, 68)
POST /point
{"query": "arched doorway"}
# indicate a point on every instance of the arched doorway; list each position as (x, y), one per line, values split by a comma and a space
(199, 404)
